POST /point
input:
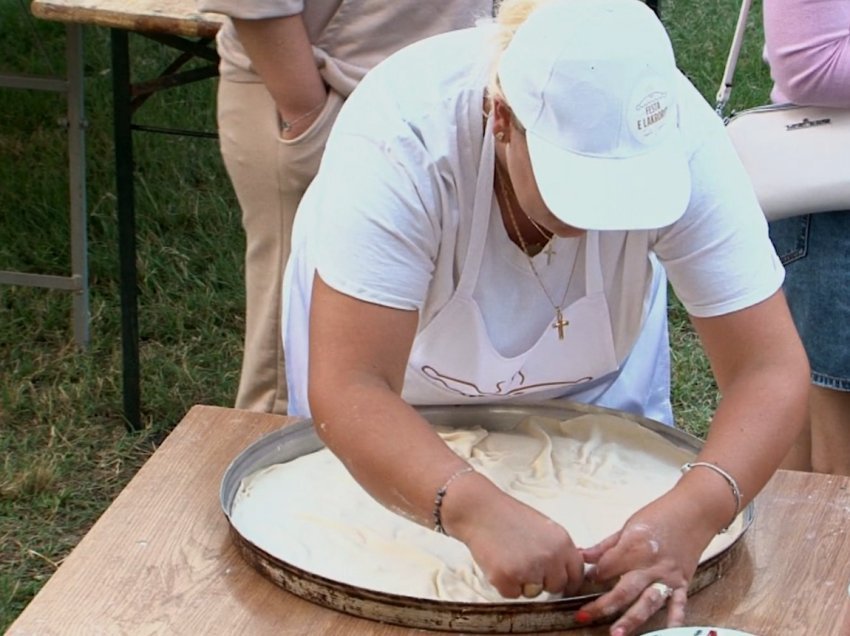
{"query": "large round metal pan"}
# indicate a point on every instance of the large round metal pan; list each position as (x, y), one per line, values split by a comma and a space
(511, 617)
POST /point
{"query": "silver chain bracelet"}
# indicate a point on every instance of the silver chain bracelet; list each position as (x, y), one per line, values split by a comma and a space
(736, 490)
(286, 126)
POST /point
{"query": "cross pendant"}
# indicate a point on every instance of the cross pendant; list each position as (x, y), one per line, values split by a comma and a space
(550, 252)
(560, 323)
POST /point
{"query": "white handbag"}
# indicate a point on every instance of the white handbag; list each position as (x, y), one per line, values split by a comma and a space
(798, 157)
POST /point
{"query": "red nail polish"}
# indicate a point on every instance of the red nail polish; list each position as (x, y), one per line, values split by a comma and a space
(583, 616)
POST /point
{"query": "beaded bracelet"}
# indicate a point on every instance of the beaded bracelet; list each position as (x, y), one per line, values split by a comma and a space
(736, 491)
(438, 500)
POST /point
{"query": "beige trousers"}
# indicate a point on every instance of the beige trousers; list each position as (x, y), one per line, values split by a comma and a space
(269, 176)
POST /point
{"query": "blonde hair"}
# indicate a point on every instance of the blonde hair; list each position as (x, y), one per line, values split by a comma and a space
(511, 14)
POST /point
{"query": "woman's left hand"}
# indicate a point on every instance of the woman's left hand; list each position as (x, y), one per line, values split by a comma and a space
(652, 559)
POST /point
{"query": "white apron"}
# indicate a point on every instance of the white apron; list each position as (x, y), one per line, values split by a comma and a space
(453, 361)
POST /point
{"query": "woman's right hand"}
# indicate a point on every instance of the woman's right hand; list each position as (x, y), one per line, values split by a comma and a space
(515, 546)
(281, 54)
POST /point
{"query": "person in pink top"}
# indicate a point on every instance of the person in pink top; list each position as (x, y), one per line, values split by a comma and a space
(808, 49)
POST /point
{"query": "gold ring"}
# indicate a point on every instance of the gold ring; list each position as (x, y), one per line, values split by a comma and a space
(530, 590)
(663, 589)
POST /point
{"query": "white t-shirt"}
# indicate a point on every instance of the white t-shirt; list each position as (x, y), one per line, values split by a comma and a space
(387, 218)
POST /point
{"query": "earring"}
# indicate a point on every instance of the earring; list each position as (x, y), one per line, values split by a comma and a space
(500, 136)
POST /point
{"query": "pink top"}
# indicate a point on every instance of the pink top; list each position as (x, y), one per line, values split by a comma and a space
(808, 48)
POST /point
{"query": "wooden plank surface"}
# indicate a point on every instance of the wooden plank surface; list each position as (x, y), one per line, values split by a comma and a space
(160, 559)
(175, 17)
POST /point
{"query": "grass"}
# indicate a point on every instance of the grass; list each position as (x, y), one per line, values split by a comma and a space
(64, 450)
(64, 447)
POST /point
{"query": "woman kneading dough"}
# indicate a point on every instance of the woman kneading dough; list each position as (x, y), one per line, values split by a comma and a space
(495, 219)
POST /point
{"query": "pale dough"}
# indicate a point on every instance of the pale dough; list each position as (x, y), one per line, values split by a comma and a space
(589, 474)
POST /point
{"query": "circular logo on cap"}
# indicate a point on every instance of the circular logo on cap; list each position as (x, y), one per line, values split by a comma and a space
(650, 111)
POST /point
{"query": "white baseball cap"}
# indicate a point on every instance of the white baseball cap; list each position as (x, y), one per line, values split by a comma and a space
(594, 83)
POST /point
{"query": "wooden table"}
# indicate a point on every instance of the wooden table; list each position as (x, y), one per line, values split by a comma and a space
(160, 559)
(178, 25)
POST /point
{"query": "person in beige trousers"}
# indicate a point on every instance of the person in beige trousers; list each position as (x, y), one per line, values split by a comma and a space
(286, 68)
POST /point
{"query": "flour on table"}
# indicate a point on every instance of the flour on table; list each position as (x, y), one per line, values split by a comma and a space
(589, 474)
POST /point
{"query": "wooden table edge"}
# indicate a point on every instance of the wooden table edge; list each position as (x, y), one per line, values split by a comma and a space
(197, 24)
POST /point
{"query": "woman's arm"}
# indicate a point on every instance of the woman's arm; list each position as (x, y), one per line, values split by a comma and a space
(763, 377)
(808, 47)
(358, 355)
(282, 56)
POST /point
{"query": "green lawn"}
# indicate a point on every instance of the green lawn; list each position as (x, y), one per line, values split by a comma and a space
(64, 447)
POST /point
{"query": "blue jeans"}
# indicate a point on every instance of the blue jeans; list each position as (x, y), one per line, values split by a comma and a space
(815, 250)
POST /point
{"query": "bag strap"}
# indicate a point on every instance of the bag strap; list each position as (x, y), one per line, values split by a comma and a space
(725, 90)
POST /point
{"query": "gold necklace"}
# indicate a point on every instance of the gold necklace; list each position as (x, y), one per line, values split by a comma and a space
(560, 322)
(550, 249)
(547, 236)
